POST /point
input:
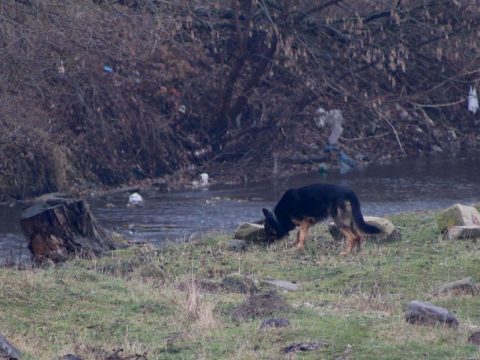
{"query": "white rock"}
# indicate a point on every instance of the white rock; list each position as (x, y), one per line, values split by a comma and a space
(250, 232)
(390, 232)
(463, 232)
(458, 215)
(135, 199)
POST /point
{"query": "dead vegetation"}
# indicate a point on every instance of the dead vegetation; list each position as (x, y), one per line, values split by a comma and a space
(105, 92)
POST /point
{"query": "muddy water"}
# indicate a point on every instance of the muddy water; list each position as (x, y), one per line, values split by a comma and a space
(412, 184)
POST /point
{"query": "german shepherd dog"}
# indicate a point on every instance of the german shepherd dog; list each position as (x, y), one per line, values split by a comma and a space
(310, 204)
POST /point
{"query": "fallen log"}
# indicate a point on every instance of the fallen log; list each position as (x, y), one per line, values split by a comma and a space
(58, 228)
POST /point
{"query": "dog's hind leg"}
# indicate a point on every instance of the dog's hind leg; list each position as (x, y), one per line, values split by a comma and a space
(359, 239)
(344, 222)
(350, 240)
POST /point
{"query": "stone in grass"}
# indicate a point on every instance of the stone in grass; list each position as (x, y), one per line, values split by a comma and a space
(424, 313)
(305, 346)
(389, 232)
(475, 338)
(250, 232)
(236, 245)
(460, 287)
(8, 351)
(274, 323)
(283, 284)
(458, 215)
(463, 232)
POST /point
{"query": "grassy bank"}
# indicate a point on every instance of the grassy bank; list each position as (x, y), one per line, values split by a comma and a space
(169, 303)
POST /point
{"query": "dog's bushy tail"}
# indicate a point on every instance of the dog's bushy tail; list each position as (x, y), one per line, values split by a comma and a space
(358, 217)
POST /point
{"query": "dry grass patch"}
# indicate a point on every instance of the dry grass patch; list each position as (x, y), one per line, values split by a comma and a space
(195, 309)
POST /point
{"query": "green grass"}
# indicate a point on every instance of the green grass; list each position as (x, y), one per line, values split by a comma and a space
(356, 304)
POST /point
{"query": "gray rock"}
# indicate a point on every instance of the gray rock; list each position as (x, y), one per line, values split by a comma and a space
(8, 351)
(460, 287)
(250, 232)
(239, 284)
(463, 232)
(458, 215)
(274, 323)
(424, 313)
(283, 284)
(237, 245)
(389, 232)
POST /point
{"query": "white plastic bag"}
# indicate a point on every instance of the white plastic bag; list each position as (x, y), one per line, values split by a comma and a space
(333, 119)
(472, 100)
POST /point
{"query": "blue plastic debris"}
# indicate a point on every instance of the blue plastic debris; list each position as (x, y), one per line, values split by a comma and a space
(323, 168)
(107, 69)
(345, 162)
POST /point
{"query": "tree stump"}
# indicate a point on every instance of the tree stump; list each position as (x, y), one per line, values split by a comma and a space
(58, 228)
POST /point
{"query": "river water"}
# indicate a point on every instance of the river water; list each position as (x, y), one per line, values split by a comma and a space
(410, 184)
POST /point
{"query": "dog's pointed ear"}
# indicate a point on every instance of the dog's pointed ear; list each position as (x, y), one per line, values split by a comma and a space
(269, 217)
(266, 213)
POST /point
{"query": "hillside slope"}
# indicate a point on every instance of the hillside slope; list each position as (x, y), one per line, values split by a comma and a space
(110, 92)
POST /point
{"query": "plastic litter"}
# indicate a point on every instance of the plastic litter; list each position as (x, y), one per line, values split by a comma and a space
(472, 100)
(107, 69)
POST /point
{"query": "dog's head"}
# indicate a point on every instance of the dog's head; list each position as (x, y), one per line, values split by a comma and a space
(273, 229)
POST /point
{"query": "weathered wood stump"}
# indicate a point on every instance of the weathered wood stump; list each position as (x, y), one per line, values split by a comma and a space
(58, 228)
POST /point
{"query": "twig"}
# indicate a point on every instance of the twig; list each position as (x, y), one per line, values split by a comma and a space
(394, 131)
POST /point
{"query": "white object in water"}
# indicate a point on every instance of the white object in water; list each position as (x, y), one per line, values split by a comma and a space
(135, 199)
(472, 100)
(203, 181)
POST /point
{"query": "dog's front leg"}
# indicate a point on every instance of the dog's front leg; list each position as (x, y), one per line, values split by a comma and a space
(302, 234)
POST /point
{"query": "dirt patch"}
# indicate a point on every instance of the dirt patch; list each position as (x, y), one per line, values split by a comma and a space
(87, 351)
(475, 338)
(120, 355)
(306, 346)
(239, 284)
(260, 305)
(274, 323)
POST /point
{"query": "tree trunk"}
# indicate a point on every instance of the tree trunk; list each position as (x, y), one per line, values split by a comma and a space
(59, 228)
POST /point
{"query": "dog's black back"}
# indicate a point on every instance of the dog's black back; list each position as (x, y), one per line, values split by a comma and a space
(314, 202)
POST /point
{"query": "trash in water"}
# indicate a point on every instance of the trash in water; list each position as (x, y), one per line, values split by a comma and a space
(107, 69)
